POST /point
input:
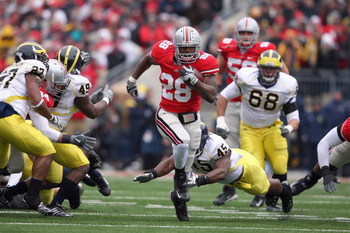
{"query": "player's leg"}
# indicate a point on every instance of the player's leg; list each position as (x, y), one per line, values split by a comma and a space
(252, 142)
(277, 153)
(170, 127)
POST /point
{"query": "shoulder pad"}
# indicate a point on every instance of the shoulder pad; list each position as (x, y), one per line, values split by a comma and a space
(32, 66)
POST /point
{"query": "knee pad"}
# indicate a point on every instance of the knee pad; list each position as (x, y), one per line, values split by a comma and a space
(180, 153)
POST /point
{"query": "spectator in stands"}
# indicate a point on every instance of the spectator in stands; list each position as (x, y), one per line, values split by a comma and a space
(337, 110)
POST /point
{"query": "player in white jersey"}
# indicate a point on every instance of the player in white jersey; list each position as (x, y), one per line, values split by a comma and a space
(20, 92)
(265, 92)
(66, 154)
(338, 139)
(232, 167)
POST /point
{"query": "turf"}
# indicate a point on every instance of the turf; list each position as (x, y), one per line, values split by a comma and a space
(146, 208)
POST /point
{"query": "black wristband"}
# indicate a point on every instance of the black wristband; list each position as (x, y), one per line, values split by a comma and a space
(154, 173)
(66, 138)
(325, 170)
(202, 180)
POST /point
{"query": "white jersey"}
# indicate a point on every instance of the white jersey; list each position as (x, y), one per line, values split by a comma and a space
(78, 86)
(261, 106)
(13, 84)
(213, 150)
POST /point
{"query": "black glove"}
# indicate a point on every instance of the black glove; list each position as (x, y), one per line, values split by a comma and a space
(329, 180)
(145, 177)
(221, 132)
(85, 57)
(131, 87)
(85, 142)
(54, 120)
(94, 159)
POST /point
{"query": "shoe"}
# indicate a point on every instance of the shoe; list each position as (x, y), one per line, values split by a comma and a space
(258, 201)
(3, 199)
(180, 180)
(59, 211)
(103, 186)
(180, 206)
(302, 184)
(44, 210)
(286, 197)
(88, 181)
(227, 195)
(274, 208)
(74, 200)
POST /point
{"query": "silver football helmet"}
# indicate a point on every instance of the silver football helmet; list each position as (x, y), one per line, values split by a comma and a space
(56, 79)
(247, 24)
(187, 37)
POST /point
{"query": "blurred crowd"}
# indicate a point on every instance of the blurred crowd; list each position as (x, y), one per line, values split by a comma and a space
(308, 34)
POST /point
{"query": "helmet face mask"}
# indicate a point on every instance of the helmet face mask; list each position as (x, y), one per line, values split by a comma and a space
(56, 80)
(71, 58)
(247, 32)
(187, 45)
(31, 50)
(269, 64)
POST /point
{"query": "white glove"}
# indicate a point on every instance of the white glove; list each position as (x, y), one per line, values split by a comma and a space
(145, 177)
(107, 94)
(221, 127)
(191, 181)
(131, 87)
(286, 130)
(187, 74)
(97, 96)
(54, 120)
(85, 57)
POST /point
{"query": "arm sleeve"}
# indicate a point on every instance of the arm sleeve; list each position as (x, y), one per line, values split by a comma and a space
(42, 124)
(330, 140)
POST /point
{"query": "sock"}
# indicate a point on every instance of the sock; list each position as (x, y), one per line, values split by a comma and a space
(34, 187)
(19, 188)
(280, 177)
(67, 186)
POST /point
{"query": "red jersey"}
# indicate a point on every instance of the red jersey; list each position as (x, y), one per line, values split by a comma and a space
(46, 97)
(235, 60)
(177, 97)
(345, 130)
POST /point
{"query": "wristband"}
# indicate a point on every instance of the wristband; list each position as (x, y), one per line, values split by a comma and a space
(131, 79)
(65, 138)
(106, 100)
(202, 180)
(325, 170)
(154, 173)
(38, 105)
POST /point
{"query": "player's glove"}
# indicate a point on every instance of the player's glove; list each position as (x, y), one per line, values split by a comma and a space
(94, 159)
(286, 130)
(329, 180)
(131, 87)
(85, 57)
(145, 177)
(107, 93)
(85, 142)
(97, 96)
(54, 120)
(221, 127)
(187, 75)
(191, 181)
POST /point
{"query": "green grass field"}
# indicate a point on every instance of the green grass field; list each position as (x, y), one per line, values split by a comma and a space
(146, 208)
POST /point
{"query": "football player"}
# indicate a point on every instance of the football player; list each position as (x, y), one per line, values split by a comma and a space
(20, 92)
(232, 167)
(66, 154)
(234, 54)
(265, 91)
(338, 139)
(178, 116)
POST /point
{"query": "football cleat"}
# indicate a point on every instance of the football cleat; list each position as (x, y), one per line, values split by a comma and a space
(302, 184)
(74, 199)
(44, 210)
(88, 181)
(287, 198)
(258, 201)
(3, 199)
(228, 194)
(59, 211)
(102, 185)
(274, 208)
(180, 181)
(180, 206)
